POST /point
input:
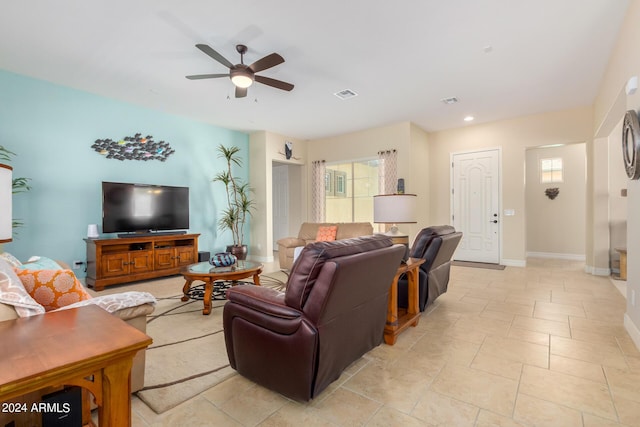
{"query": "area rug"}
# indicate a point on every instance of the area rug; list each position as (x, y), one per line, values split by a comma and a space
(478, 265)
(188, 354)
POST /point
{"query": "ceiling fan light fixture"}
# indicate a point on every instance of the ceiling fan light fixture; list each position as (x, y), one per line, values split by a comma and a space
(241, 75)
(242, 80)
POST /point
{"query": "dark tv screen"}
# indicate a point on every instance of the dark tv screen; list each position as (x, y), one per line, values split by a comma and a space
(142, 207)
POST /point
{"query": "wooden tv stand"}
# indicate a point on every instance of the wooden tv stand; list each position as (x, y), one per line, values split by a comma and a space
(124, 260)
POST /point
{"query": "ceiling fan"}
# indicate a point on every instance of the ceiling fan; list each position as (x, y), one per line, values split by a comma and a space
(243, 75)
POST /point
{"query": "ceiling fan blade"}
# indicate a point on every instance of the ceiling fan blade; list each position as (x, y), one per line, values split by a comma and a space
(266, 62)
(241, 92)
(278, 84)
(215, 55)
(206, 76)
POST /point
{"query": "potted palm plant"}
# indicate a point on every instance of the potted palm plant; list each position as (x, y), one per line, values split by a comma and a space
(239, 202)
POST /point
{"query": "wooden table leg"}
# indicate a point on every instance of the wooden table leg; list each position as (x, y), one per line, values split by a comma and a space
(116, 395)
(208, 291)
(185, 290)
(392, 313)
(256, 279)
(413, 306)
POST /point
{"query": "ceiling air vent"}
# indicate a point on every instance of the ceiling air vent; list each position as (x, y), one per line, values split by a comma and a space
(346, 94)
(449, 101)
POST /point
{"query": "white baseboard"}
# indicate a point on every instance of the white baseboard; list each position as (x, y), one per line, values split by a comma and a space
(633, 330)
(514, 262)
(597, 271)
(551, 255)
(620, 285)
(261, 258)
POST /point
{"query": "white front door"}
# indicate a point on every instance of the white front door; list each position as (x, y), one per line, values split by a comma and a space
(475, 205)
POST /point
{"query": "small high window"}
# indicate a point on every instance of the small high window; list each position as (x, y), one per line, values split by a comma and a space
(551, 170)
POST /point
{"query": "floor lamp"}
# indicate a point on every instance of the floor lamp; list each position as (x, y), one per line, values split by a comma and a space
(6, 186)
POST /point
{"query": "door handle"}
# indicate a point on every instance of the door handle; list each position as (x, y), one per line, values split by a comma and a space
(495, 221)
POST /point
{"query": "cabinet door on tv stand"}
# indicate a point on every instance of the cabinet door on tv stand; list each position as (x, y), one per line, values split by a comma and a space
(185, 256)
(141, 261)
(164, 258)
(115, 265)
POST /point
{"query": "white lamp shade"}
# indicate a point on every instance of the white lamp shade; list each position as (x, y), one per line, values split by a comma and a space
(6, 213)
(394, 208)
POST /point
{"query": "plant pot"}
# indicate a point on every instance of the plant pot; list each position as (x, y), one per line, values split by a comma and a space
(240, 252)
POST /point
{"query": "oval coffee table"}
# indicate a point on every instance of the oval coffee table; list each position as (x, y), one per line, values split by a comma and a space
(216, 280)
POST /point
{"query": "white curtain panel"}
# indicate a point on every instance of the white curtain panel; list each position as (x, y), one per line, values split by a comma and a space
(388, 171)
(317, 190)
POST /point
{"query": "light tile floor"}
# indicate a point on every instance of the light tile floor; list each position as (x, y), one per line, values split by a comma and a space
(537, 346)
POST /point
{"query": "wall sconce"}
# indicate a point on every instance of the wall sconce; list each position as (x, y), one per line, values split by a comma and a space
(6, 190)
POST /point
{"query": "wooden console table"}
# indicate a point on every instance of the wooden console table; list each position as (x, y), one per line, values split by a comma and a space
(85, 346)
(400, 319)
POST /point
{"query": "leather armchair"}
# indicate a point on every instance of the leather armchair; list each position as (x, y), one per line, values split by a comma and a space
(436, 245)
(333, 311)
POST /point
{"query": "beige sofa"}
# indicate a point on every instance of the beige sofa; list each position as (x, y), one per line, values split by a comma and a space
(308, 232)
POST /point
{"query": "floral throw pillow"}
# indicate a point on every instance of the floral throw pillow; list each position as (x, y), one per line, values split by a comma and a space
(327, 233)
(53, 289)
(12, 293)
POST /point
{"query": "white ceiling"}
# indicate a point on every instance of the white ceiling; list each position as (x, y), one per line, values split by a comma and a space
(401, 57)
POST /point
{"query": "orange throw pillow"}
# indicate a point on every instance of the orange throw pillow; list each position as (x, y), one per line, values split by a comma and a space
(53, 289)
(327, 233)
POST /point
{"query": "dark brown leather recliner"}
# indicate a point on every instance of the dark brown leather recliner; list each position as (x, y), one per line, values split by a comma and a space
(333, 311)
(436, 245)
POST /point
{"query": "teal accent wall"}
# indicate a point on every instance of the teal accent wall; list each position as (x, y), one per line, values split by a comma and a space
(51, 129)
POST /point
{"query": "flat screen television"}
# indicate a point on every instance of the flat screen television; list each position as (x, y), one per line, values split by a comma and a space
(137, 208)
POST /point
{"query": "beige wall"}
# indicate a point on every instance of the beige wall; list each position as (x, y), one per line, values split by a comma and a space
(297, 196)
(597, 230)
(624, 63)
(617, 202)
(406, 138)
(265, 148)
(513, 137)
(609, 108)
(556, 228)
(420, 176)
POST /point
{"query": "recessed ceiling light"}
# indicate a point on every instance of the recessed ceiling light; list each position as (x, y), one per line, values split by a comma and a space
(469, 118)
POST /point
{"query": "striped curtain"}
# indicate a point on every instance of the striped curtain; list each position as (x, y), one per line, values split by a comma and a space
(388, 172)
(318, 171)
